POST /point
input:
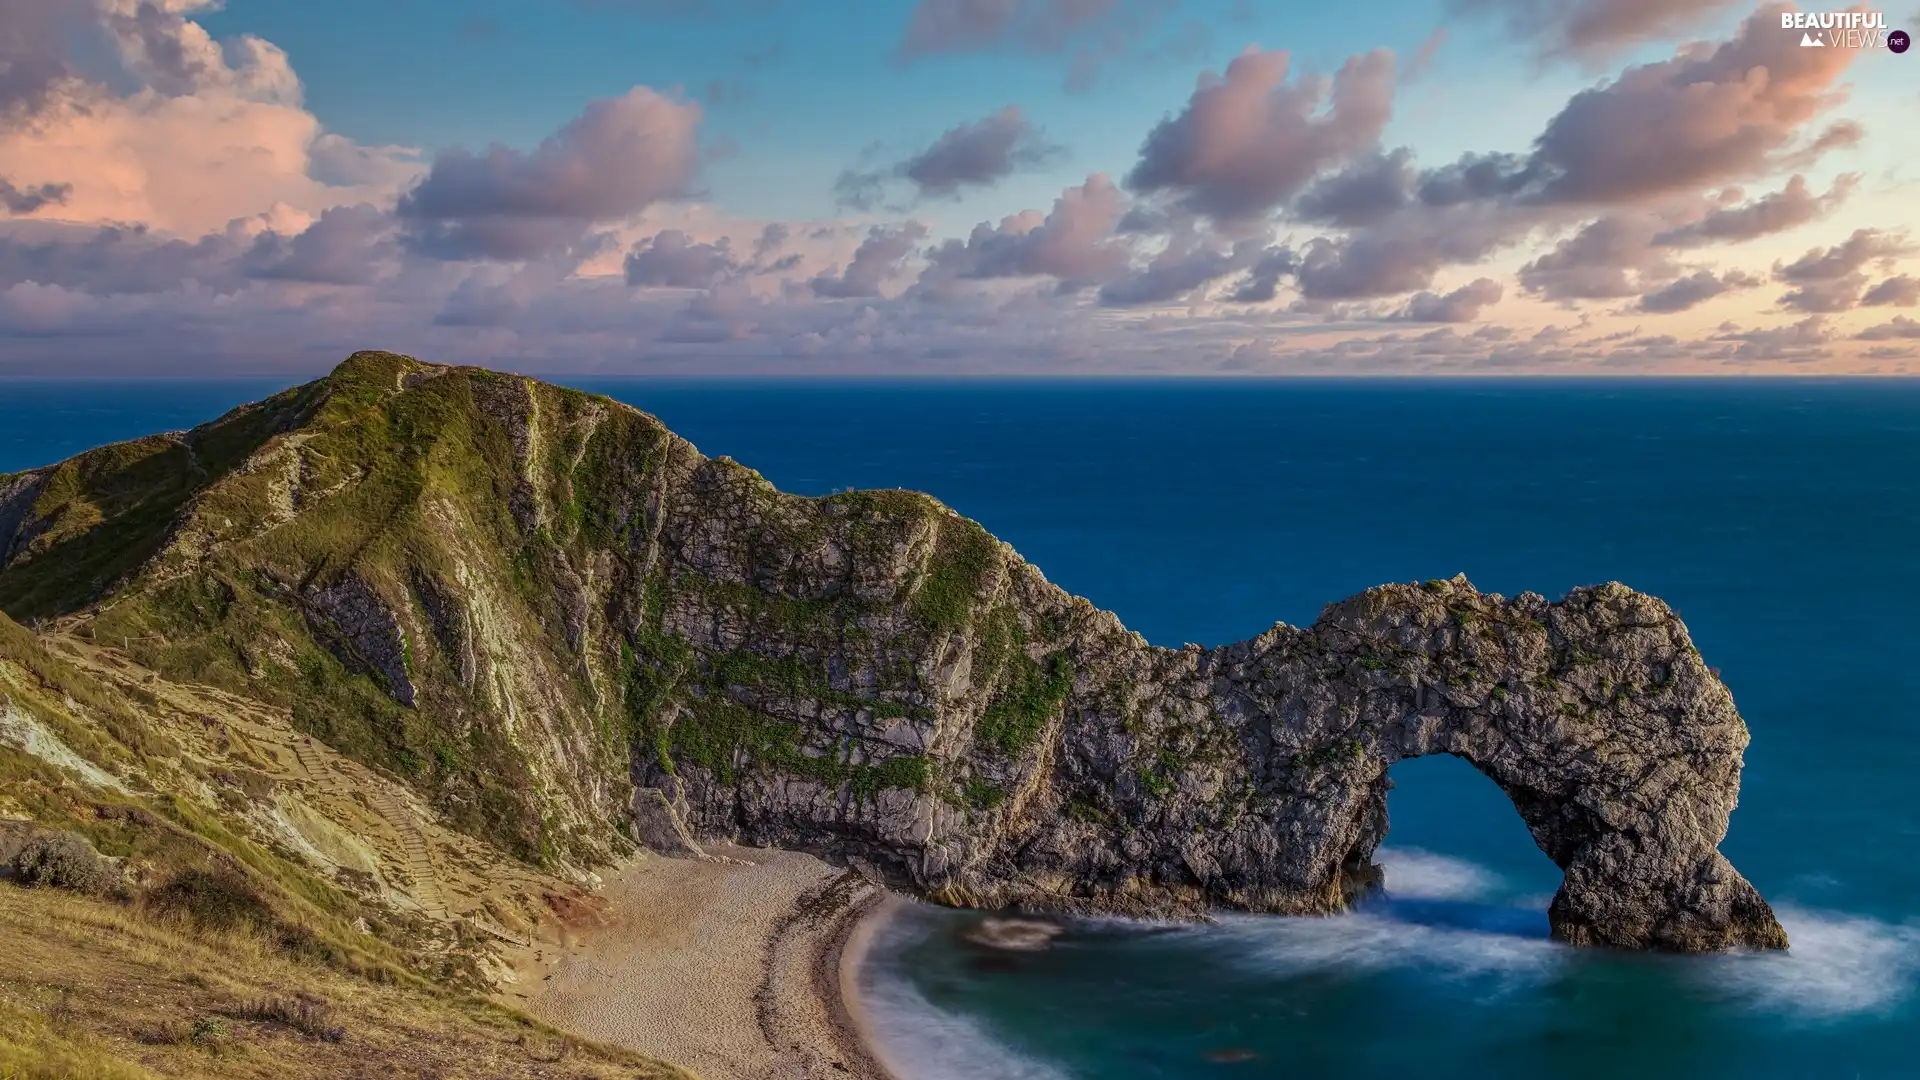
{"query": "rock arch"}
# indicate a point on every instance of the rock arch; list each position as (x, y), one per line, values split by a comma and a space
(1618, 747)
(1254, 776)
(1002, 744)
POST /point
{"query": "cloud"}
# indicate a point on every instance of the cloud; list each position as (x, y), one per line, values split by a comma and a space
(1423, 56)
(1693, 290)
(117, 259)
(1624, 165)
(23, 201)
(1900, 328)
(1709, 115)
(724, 313)
(615, 159)
(347, 245)
(1095, 32)
(1608, 258)
(1592, 28)
(1463, 304)
(212, 220)
(1249, 140)
(1804, 340)
(1363, 193)
(1401, 253)
(878, 260)
(1262, 283)
(978, 153)
(672, 259)
(138, 115)
(1830, 280)
(1632, 250)
(339, 161)
(772, 238)
(1075, 243)
(1657, 131)
(1183, 266)
(1788, 208)
(1902, 291)
(33, 64)
(176, 56)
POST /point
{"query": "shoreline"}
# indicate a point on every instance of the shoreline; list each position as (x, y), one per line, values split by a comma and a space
(862, 924)
(744, 965)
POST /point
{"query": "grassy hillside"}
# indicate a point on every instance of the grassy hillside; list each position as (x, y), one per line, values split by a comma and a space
(387, 553)
(345, 687)
(464, 580)
(91, 989)
(171, 911)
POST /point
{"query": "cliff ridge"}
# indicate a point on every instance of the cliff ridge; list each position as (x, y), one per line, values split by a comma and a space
(549, 614)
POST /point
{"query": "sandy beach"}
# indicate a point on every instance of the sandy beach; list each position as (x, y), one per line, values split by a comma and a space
(737, 966)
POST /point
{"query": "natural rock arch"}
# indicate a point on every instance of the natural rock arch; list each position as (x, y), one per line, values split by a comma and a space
(1597, 718)
(559, 581)
(1254, 776)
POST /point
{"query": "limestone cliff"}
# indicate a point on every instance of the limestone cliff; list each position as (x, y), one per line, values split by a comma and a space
(541, 608)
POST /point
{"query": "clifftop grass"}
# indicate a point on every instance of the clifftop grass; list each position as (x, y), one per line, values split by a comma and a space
(499, 542)
(103, 514)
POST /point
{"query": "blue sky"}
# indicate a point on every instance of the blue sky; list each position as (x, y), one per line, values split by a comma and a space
(616, 185)
(806, 91)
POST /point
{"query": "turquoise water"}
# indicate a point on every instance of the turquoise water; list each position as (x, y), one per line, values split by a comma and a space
(1779, 518)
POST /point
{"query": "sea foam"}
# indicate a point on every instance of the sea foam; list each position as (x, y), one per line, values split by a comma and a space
(1386, 936)
(1838, 965)
(1416, 873)
(915, 1038)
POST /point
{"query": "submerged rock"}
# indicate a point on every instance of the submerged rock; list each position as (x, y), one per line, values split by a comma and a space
(538, 604)
(1014, 935)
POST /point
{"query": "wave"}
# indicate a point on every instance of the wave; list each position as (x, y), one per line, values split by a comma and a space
(1437, 918)
(1439, 914)
(913, 1037)
(1447, 940)
(1839, 965)
(1417, 873)
(1455, 926)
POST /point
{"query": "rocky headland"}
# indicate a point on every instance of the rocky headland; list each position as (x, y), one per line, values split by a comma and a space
(539, 632)
(555, 616)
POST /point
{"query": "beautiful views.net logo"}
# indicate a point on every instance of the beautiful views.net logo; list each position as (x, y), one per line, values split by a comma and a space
(1845, 30)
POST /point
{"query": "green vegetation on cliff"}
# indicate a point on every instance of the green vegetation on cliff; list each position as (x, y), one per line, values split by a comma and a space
(528, 603)
(485, 586)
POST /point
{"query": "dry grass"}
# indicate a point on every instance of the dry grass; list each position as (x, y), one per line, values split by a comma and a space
(94, 991)
(304, 1013)
(31, 1048)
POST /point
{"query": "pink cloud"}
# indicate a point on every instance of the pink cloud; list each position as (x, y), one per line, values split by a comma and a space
(1463, 304)
(1589, 28)
(210, 131)
(1250, 140)
(1075, 243)
(1709, 115)
(618, 157)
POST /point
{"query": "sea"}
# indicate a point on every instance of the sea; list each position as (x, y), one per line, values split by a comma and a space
(1781, 518)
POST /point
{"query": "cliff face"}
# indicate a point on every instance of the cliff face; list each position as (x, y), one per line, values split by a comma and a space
(542, 608)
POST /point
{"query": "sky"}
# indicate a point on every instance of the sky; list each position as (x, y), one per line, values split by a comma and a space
(957, 187)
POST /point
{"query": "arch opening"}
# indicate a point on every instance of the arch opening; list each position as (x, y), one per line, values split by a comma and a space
(1456, 849)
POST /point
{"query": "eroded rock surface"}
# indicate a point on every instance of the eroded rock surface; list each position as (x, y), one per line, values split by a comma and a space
(534, 603)
(1254, 776)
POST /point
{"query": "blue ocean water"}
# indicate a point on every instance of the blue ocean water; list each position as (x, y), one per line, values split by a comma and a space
(1781, 518)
